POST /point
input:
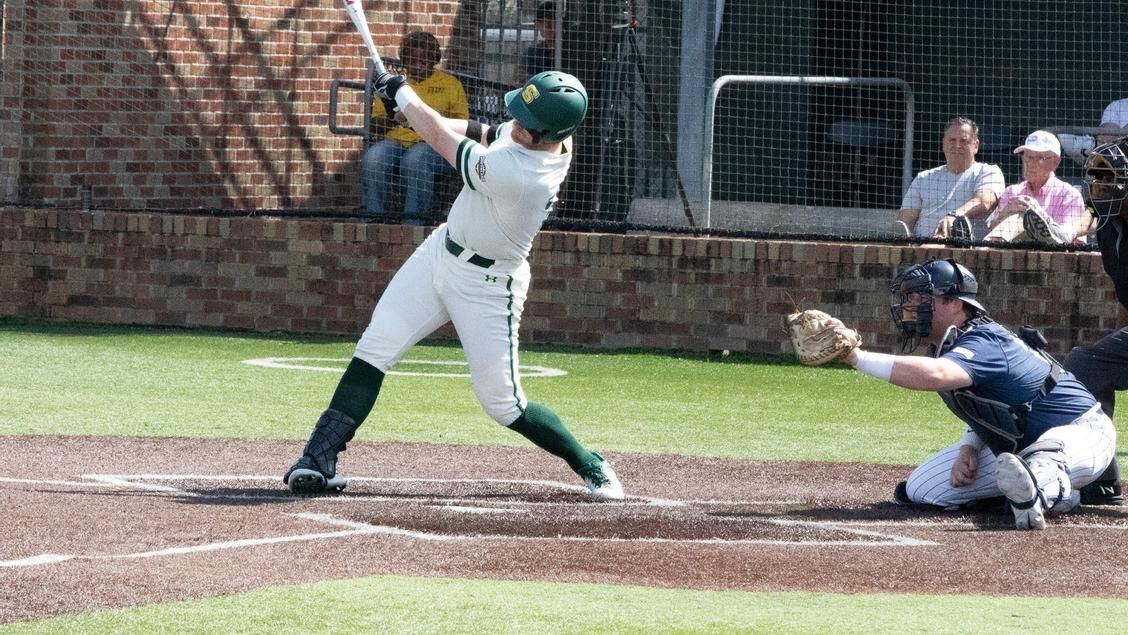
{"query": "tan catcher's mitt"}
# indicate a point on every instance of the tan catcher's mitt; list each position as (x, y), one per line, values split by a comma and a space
(819, 337)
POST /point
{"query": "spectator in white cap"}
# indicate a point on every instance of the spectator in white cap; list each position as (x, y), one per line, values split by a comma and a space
(1114, 119)
(1115, 116)
(1042, 207)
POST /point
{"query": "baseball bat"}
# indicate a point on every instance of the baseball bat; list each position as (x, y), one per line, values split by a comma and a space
(356, 12)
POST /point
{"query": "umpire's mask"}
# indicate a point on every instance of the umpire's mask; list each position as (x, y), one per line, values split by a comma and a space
(1106, 179)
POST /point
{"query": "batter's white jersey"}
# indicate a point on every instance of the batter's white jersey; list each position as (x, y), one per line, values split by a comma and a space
(473, 270)
(508, 192)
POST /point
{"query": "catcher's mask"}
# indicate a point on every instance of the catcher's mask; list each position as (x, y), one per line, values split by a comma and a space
(1106, 179)
(914, 290)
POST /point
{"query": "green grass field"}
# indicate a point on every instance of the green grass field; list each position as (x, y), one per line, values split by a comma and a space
(115, 381)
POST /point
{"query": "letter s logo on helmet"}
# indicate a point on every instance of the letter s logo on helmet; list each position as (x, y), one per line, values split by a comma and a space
(1106, 179)
(551, 105)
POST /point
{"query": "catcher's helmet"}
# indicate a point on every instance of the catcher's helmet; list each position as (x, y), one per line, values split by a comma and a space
(550, 105)
(1106, 179)
(914, 289)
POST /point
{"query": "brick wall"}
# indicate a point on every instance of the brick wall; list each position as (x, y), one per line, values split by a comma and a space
(597, 290)
(204, 104)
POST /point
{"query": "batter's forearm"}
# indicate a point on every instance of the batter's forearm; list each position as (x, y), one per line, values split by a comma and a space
(429, 124)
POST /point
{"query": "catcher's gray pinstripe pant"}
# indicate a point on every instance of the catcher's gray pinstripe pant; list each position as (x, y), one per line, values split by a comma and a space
(1089, 446)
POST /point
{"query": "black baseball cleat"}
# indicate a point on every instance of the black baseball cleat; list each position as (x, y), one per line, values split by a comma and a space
(1102, 493)
(961, 229)
(901, 495)
(901, 499)
(305, 479)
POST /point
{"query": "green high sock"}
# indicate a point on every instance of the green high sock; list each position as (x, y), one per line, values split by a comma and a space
(357, 391)
(541, 426)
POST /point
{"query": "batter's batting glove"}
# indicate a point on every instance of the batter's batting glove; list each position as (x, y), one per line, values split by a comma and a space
(390, 108)
(387, 84)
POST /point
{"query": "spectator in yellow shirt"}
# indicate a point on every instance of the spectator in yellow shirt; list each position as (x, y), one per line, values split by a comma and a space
(401, 147)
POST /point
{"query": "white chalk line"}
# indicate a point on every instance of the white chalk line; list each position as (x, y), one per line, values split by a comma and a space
(138, 482)
(290, 363)
(355, 528)
(144, 482)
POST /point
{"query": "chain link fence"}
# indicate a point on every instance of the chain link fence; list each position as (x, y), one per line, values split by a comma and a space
(223, 107)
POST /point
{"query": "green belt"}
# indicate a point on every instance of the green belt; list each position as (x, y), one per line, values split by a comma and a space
(456, 249)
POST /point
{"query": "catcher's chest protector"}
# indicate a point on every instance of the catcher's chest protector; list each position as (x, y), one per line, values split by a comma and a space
(995, 422)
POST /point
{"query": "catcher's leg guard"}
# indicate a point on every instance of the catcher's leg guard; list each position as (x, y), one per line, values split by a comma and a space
(316, 470)
(1049, 466)
(1019, 485)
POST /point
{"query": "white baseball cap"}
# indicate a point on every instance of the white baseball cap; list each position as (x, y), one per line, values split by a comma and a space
(1040, 141)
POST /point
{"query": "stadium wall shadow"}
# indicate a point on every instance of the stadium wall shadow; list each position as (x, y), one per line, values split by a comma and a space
(595, 290)
(147, 104)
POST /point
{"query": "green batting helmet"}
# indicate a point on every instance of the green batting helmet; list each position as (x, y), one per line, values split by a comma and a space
(551, 105)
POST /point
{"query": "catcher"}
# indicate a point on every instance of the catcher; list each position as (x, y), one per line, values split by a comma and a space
(1034, 433)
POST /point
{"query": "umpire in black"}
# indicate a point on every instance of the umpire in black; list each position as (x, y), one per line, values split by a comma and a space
(1103, 366)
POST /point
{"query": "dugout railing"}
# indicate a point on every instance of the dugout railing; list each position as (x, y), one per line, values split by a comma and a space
(797, 80)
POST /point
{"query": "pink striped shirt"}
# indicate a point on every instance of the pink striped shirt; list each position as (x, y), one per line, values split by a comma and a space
(1062, 201)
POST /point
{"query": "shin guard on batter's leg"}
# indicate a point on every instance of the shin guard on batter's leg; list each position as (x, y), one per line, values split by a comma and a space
(316, 471)
(356, 393)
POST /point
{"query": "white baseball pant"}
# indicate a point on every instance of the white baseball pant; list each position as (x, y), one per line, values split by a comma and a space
(435, 287)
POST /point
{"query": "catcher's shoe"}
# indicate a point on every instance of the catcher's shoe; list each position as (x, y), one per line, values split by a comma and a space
(601, 480)
(305, 478)
(901, 495)
(1017, 483)
(1102, 493)
(901, 498)
(961, 229)
(1037, 226)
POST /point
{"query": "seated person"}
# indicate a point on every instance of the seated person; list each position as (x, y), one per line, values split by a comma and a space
(954, 199)
(401, 147)
(540, 56)
(1114, 118)
(1042, 207)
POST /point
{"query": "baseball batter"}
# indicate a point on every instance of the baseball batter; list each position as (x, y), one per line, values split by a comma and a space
(1034, 433)
(471, 271)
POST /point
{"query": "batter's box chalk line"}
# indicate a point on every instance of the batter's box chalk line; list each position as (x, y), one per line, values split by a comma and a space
(153, 483)
(298, 363)
(344, 528)
(869, 533)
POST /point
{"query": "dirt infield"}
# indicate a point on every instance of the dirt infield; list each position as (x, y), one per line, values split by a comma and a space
(95, 523)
